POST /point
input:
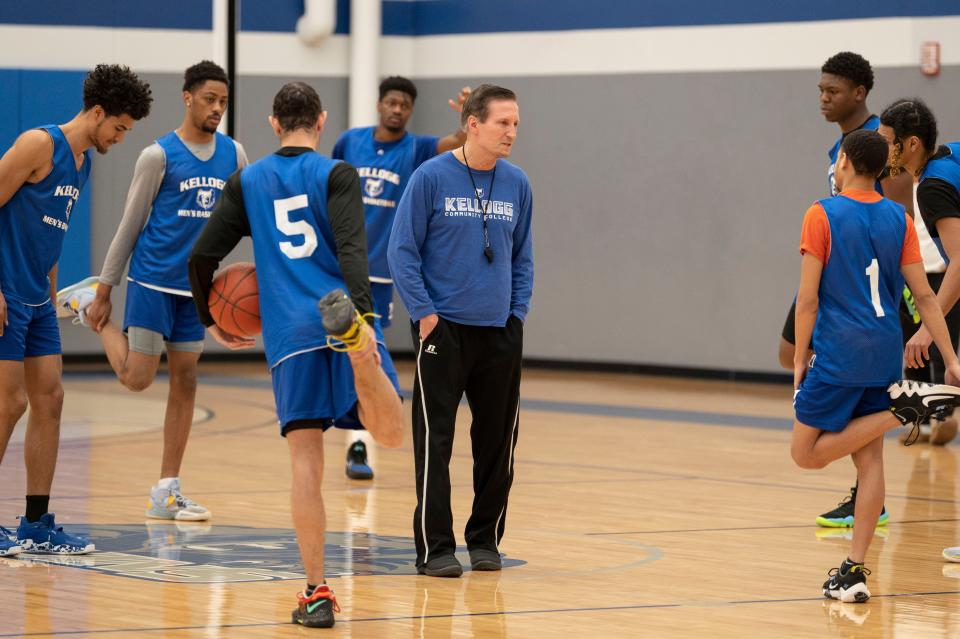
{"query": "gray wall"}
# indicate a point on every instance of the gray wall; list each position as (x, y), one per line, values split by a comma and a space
(667, 208)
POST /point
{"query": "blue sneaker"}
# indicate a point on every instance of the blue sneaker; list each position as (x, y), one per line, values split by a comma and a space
(9, 545)
(45, 537)
(357, 465)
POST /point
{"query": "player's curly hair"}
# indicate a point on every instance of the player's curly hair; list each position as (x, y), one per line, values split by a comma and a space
(911, 116)
(297, 106)
(117, 90)
(852, 66)
(201, 72)
(398, 83)
(867, 150)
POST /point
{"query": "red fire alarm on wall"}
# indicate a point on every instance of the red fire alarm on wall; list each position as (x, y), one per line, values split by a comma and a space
(930, 58)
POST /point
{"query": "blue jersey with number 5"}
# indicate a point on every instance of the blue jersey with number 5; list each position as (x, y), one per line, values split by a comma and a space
(857, 336)
(286, 202)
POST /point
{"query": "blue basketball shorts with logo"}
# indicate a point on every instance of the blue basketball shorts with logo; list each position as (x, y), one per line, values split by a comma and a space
(830, 407)
(315, 390)
(382, 302)
(173, 316)
(31, 331)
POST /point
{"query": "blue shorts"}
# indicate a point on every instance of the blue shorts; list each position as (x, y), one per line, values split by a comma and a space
(31, 331)
(382, 302)
(173, 316)
(830, 407)
(316, 388)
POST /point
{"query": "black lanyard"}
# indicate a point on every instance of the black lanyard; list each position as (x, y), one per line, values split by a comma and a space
(487, 249)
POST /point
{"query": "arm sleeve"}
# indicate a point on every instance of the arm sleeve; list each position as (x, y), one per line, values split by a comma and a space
(242, 159)
(815, 234)
(147, 178)
(227, 225)
(522, 280)
(406, 241)
(937, 199)
(347, 220)
(911, 245)
(339, 147)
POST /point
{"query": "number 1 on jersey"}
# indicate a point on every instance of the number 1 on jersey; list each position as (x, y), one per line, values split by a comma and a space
(873, 272)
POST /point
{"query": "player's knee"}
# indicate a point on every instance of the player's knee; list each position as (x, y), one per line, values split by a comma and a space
(136, 381)
(804, 458)
(184, 382)
(14, 406)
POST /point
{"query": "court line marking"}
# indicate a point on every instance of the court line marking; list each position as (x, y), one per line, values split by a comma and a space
(542, 611)
(785, 526)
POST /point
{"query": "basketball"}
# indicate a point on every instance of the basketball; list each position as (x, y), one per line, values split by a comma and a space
(234, 301)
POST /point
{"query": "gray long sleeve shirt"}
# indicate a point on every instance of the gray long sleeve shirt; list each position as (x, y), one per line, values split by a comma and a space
(147, 178)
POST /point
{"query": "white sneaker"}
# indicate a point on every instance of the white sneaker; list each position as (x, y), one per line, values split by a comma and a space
(73, 300)
(169, 503)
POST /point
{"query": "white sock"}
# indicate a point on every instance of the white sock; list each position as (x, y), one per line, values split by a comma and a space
(168, 482)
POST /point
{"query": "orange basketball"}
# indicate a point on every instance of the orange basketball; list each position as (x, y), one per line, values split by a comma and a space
(234, 301)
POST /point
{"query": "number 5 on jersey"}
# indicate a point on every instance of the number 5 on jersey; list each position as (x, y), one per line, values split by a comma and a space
(873, 272)
(302, 228)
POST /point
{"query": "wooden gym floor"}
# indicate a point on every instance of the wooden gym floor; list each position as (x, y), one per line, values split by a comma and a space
(642, 507)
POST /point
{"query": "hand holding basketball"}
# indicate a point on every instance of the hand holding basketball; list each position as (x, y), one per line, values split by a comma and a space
(234, 301)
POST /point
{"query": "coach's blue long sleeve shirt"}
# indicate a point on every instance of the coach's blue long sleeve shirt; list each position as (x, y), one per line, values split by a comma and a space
(436, 250)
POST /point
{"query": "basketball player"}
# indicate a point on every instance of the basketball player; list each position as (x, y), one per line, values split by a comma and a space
(910, 128)
(385, 155)
(305, 215)
(41, 177)
(845, 398)
(176, 183)
(845, 81)
(461, 253)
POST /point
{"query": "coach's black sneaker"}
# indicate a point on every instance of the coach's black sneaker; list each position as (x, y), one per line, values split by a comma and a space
(915, 403)
(848, 583)
(442, 566)
(357, 466)
(842, 515)
(316, 610)
(485, 560)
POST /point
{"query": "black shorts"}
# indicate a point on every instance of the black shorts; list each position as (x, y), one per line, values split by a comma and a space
(789, 332)
(934, 370)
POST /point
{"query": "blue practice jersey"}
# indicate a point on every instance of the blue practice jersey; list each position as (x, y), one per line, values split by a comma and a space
(384, 168)
(183, 205)
(857, 336)
(872, 124)
(34, 221)
(286, 202)
(946, 168)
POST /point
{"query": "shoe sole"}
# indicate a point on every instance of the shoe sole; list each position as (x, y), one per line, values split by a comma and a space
(62, 310)
(486, 565)
(10, 552)
(308, 624)
(359, 474)
(446, 571)
(847, 522)
(39, 549)
(178, 516)
(953, 557)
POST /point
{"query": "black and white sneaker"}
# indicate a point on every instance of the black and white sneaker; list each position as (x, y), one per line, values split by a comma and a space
(849, 586)
(915, 403)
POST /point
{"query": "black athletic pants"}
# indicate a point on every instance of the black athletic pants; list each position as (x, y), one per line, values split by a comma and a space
(484, 363)
(935, 368)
